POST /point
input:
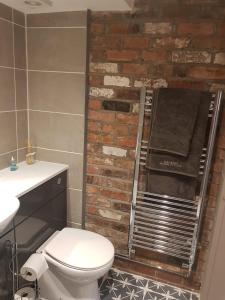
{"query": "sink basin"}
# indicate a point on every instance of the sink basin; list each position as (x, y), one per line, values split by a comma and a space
(8, 208)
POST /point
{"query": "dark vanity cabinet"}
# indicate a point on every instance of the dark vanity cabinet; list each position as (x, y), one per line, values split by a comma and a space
(42, 211)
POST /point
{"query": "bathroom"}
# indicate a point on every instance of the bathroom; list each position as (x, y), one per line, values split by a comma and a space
(72, 74)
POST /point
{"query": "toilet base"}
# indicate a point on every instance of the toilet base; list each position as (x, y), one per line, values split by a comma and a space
(52, 289)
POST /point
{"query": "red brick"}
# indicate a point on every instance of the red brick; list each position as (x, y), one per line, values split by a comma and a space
(195, 28)
(116, 173)
(97, 55)
(155, 56)
(128, 119)
(122, 28)
(105, 42)
(109, 182)
(93, 169)
(94, 126)
(208, 43)
(187, 84)
(221, 28)
(116, 130)
(94, 104)
(207, 73)
(97, 28)
(134, 69)
(129, 142)
(101, 116)
(108, 139)
(94, 148)
(136, 42)
(94, 137)
(95, 80)
(128, 94)
(92, 210)
(123, 55)
(116, 195)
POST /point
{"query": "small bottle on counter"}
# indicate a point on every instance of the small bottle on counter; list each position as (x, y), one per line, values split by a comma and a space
(13, 166)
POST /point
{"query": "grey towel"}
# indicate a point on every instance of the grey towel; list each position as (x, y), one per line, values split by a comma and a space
(188, 166)
(174, 114)
(171, 185)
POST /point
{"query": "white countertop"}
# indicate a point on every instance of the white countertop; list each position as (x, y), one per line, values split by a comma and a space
(27, 177)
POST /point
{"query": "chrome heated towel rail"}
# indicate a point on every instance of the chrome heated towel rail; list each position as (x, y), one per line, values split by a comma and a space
(164, 224)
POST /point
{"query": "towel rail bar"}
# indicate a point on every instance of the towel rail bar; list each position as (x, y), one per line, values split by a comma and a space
(146, 235)
(184, 230)
(151, 231)
(165, 248)
(162, 223)
(163, 201)
(166, 197)
(185, 258)
(185, 247)
(150, 206)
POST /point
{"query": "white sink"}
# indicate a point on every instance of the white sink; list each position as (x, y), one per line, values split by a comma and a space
(8, 208)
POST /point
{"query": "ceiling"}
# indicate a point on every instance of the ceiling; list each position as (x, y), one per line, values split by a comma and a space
(45, 6)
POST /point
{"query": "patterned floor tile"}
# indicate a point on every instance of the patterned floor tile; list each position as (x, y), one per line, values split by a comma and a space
(119, 285)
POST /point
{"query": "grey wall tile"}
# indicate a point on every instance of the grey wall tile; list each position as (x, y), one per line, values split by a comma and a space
(7, 132)
(75, 162)
(62, 19)
(20, 47)
(5, 12)
(7, 93)
(6, 49)
(74, 206)
(22, 128)
(6, 159)
(57, 49)
(21, 89)
(57, 92)
(18, 17)
(22, 154)
(57, 131)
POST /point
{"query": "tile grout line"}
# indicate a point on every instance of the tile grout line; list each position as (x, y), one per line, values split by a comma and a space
(3, 19)
(15, 90)
(56, 112)
(14, 110)
(52, 71)
(7, 67)
(57, 27)
(5, 153)
(27, 82)
(69, 188)
(62, 151)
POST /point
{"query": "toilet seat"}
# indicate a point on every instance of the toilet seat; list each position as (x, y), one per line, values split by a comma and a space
(80, 249)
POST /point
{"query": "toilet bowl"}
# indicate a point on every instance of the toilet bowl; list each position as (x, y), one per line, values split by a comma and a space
(77, 259)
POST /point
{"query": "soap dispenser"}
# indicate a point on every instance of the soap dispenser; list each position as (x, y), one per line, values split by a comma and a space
(13, 166)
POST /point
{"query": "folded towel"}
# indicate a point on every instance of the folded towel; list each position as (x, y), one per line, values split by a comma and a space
(171, 185)
(174, 114)
(189, 165)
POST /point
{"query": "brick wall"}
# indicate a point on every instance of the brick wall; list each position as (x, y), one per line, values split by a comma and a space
(164, 43)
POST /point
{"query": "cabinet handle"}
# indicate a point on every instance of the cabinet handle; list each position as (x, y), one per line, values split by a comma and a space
(59, 180)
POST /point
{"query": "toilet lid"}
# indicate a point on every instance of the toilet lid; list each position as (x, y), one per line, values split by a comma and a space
(80, 249)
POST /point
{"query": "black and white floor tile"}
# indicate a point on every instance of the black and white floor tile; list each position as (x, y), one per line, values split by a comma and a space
(119, 285)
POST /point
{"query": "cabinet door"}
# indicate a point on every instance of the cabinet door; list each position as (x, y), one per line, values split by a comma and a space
(7, 266)
(36, 229)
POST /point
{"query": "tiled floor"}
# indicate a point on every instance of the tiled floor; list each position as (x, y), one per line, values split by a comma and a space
(119, 285)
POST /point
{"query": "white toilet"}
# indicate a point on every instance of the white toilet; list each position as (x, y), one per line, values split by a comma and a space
(76, 259)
